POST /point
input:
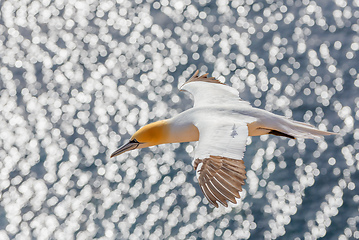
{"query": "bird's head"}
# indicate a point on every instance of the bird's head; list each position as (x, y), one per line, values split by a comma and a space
(152, 134)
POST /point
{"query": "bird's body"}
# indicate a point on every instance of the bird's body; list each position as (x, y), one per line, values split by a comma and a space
(221, 122)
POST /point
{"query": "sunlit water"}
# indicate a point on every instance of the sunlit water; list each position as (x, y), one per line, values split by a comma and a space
(77, 78)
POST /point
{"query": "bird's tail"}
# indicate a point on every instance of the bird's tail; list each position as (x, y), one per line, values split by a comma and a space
(295, 129)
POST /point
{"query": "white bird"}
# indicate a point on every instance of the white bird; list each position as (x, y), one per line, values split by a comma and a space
(221, 122)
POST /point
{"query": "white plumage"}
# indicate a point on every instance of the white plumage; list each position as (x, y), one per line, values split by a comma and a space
(221, 122)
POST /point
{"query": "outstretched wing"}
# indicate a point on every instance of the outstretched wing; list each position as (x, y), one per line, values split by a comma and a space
(208, 90)
(220, 178)
(218, 159)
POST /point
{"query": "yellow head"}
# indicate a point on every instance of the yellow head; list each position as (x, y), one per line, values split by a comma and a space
(152, 134)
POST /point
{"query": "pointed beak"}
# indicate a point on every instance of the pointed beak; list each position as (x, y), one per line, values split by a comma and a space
(127, 147)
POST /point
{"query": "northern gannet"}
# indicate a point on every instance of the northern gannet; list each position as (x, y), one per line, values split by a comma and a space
(221, 122)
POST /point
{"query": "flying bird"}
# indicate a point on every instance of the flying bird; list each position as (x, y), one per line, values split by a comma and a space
(221, 122)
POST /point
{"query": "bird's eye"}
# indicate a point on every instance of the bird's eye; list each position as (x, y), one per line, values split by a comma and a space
(134, 141)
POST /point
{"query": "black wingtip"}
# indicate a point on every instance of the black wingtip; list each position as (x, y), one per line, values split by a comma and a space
(277, 133)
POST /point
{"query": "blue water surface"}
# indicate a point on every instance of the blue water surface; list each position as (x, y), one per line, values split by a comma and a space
(78, 78)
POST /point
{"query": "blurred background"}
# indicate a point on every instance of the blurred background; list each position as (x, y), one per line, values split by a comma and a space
(78, 78)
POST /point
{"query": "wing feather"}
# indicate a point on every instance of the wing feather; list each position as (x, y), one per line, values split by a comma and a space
(223, 189)
(218, 195)
(220, 170)
(210, 197)
(203, 78)
(222, 139)
(208, 91)
(217, 183)
(228, 184)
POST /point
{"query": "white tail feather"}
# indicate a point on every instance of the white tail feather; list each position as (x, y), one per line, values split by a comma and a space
(300, 129)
